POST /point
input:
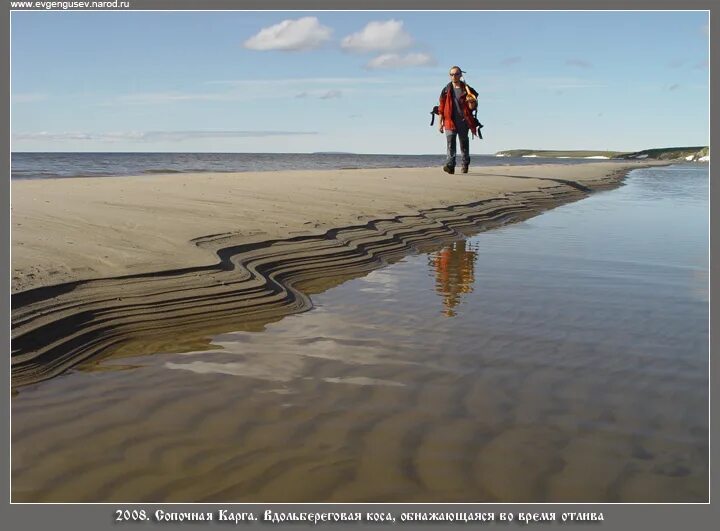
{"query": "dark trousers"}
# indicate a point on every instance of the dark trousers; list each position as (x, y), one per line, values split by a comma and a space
(462, 133)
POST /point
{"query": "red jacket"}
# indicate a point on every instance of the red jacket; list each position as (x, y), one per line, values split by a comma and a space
(445, 108)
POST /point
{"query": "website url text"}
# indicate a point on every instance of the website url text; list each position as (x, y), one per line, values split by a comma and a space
(63, 4)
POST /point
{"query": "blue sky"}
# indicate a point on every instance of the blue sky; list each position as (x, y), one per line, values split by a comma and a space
(361, 82)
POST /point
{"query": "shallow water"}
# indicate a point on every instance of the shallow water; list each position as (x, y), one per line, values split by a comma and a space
(563, 358)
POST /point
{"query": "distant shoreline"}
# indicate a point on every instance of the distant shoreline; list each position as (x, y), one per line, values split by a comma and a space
(84, 165)
(679, 154)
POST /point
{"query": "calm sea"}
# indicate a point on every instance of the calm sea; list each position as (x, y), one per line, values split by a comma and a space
(564, 358)
(54, 165)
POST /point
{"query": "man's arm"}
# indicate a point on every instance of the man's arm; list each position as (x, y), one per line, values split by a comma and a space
(441, 112)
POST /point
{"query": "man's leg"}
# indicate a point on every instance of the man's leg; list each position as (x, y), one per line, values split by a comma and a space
(451, 137)
(464, 148)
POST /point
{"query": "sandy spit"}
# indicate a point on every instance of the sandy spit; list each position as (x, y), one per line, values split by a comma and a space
(66, 230)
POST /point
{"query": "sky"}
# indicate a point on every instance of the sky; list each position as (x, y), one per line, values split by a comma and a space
(361, 82)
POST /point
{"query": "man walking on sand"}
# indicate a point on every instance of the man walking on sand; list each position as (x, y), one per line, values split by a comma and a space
(456, 119)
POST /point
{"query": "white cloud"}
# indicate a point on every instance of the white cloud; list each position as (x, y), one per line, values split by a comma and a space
(393, 60)
(379, 37)
(28, 97)
(582, 63)
(150, 136)
(320, 94)
(511, 61)
(290, 35)
(154, 98)
(244, 90)
(301, 80)
(159, 98)
(330, 94)
(562, 83)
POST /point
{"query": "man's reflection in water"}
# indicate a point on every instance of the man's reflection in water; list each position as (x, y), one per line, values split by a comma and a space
(454, 267)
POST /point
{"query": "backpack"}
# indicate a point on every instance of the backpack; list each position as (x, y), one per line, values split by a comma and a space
(472, 104)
